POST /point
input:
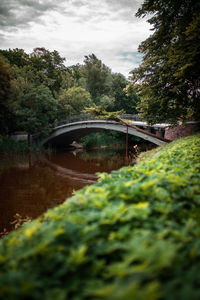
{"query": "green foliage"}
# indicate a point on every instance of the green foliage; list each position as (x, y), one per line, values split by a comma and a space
(35, 110)
(49, 63)
(107, 101)
(73, 101)
(76, 73)
(5, 91)
(133, 235)
(11, 145)
(100, 112)
(103, 138)
(98, 77)
(168, 78)
(45, 65)
(16, 57)
(73, 88)
(106, 87)
(123, 100)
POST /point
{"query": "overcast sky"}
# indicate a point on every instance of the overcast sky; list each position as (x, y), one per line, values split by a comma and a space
(75, 28)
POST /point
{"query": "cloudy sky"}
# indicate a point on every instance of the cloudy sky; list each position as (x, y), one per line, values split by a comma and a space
(75, 28)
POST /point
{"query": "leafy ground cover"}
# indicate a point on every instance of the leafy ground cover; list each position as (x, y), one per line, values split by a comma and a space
(133, 235)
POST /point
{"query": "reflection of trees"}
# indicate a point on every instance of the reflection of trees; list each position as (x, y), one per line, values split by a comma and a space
(31, 191)
(89, 162)
(99, 154)
(107, 158)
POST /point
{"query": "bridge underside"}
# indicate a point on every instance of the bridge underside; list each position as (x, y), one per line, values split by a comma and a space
(67, 138)
(66, 134)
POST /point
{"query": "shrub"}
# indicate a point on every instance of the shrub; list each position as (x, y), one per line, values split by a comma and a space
(11, 145)
(133, 235)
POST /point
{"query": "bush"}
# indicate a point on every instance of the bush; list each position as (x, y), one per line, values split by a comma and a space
(107, 138)
(133, 235)
(11, 145)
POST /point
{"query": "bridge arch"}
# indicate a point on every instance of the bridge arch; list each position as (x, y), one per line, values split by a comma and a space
(67, 133)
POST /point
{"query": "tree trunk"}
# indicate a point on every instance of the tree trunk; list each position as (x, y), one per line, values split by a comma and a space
(29, 142)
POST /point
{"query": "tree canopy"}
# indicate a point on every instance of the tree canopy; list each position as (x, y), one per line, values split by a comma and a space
(35, 110)
(73, 101)
(98, 77)
(38, 89)
(169, 77)
(5, 90)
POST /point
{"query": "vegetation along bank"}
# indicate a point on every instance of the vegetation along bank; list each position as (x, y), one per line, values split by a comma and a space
(133, 235)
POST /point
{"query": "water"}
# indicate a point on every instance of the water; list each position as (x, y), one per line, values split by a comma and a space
(31, 185)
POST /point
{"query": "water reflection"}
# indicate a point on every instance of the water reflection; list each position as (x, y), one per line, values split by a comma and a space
(31, 186)
(90, 162)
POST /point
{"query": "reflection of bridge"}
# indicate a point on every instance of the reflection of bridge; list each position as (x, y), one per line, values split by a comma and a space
(69, 132)
(72, 175)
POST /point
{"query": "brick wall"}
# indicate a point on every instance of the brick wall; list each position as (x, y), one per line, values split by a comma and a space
(181, 131)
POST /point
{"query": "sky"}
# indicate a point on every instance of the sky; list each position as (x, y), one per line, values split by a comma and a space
(75, 28)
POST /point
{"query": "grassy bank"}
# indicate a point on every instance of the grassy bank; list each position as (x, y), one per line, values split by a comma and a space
(133, 235)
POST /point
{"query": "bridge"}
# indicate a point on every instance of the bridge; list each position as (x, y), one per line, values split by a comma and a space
(71, 130)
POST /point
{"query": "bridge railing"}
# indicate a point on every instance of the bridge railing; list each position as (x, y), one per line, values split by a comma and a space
(86, 117)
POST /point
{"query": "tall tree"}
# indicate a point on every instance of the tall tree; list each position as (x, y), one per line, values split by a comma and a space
(47, 66)
(73, 76)
(16, 57)
(125, 98)
(169, 76)
(51, 64)
(35, 109)
(98, 77)
(5, 91)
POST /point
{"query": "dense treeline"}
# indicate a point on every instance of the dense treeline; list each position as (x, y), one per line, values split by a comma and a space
(37, 89)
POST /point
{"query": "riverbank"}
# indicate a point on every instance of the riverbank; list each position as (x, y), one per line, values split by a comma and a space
(12, 145)
(133, 235)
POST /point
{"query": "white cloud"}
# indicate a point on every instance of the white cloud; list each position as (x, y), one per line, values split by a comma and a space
(75, 28)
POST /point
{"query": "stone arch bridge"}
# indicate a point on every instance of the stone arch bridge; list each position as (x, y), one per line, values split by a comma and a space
(70, 131)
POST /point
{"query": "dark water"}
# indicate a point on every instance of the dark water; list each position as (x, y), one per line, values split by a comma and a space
(31, 185)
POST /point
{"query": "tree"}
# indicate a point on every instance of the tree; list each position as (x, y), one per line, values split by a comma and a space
(107, 102)
(5, 91)
(123, 99)
(25, 75)
(73, 101)
(73, 76)
(169, 77)
(35, 109)
(98, 78)
(46, 66)
(16, 57)
(51, 64)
